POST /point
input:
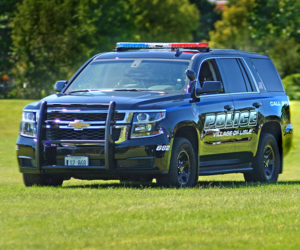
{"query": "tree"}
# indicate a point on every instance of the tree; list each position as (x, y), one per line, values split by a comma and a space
(265, 26)
(7, 10)
(52, 38)
(276, 19)
(164, 20)
(208, 17)
(233, 30)
(274, 26)
(285, 55)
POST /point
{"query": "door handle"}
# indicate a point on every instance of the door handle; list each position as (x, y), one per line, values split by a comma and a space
(228, 107)
(256, 104)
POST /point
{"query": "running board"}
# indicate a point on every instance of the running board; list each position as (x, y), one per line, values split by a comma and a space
(239, 168)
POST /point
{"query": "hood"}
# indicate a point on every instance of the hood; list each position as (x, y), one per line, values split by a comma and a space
(125, 100)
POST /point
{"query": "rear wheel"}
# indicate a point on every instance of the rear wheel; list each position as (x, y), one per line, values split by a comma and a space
(42, 180)
(182, 171)
(266, 162)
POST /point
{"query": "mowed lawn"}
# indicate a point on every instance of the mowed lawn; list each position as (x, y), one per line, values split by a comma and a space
(221, 212)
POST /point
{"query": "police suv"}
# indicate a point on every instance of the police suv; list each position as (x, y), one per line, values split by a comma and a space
(169, 111)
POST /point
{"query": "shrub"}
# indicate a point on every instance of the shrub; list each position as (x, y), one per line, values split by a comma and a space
(291, 84)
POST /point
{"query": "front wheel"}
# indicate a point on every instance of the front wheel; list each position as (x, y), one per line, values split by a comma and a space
(266, 162)
(182, 171)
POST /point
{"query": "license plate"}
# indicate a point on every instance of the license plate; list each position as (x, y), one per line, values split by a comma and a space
(76, 161)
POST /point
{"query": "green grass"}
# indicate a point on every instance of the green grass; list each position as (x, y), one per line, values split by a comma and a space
(221, 212)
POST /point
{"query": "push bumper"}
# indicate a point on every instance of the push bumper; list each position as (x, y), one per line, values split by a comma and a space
(106, 158)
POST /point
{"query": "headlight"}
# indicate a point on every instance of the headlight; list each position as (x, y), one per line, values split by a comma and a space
(145, 124)
(28, 124)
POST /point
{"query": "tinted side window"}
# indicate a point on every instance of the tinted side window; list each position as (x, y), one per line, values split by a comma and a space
(249, 82)
(209, 72)
(233, 74)
(268, 74)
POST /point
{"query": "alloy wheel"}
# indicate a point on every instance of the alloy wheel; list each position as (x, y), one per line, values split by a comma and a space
(269, 161)
(184, 167)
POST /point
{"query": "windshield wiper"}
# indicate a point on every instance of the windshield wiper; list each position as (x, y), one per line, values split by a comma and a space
(133, 90)
(126, 90)
(81, 90)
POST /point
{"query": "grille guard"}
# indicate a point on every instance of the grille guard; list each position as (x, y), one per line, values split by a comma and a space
(108, 141)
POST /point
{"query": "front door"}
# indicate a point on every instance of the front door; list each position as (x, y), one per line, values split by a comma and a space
(215, 109)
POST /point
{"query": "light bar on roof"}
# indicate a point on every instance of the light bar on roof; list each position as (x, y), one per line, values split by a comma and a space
(161, 45)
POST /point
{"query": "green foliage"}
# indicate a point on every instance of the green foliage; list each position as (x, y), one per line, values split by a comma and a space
(291, 84)
(53, 38)
(7, 11)
(278, 19)
(48, 36)
(285, 55)
(232, 31)
(208, 17)
(164, 20)
(263, 26)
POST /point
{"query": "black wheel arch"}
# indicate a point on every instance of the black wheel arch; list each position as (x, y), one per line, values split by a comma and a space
(274, 128)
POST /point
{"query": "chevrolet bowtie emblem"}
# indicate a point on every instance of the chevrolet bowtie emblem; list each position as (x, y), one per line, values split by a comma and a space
(79, 125)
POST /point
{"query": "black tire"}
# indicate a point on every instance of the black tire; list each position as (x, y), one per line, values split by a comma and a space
(182, 171)
(266, 162)
(41, 180)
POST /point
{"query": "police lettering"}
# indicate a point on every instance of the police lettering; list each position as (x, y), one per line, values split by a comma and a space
(237, 119)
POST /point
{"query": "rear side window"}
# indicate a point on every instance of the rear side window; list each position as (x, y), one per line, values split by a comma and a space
(235, 79)
(268, 74)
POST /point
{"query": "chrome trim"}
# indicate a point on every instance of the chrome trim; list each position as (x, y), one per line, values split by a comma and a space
(239, 140)
(29, 136)
(125, 129)
(68, 122)
(25, 157)
(127, 118)
(84, 128)
(31, 110)
(146, 136)
(75, 111)
(66, 143)
(124, 133)
(257, 89)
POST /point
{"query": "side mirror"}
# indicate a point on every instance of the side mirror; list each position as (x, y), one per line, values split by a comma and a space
(190, 74)
(59, 85)
(209, 87)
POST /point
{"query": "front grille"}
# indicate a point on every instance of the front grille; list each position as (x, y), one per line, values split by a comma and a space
(86, 134)
(82, 116)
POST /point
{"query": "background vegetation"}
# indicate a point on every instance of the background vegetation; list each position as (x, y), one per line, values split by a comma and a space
(221, 212)
(43, 41)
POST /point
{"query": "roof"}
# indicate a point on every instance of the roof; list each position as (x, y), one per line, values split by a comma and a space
(170, 54)
(162, 54)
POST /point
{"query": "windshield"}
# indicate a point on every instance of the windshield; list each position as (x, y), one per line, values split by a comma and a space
(137, 74)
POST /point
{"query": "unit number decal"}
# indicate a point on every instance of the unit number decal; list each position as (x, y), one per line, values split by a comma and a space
(163, 148)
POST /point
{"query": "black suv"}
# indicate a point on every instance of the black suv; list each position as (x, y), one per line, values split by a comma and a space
(154, 110)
